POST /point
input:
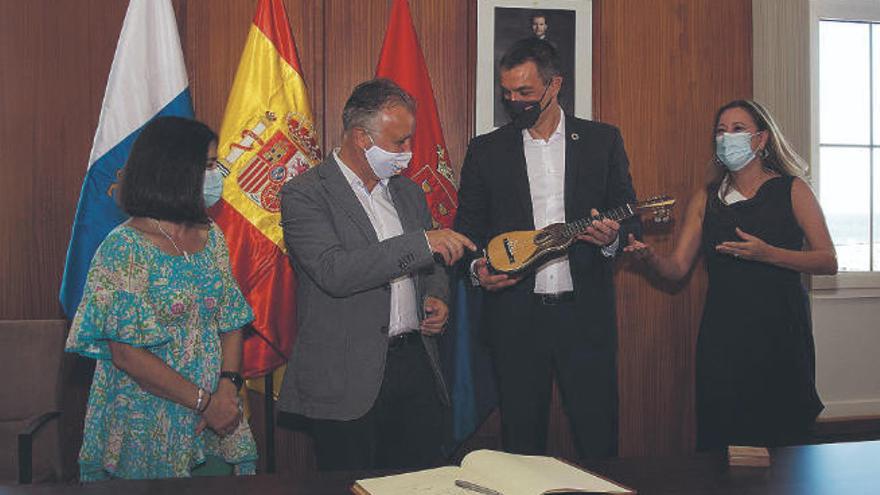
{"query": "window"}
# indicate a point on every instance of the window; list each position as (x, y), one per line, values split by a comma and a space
(849, 140)
(846, 80)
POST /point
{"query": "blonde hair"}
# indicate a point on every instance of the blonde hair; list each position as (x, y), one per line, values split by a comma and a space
(777, 156)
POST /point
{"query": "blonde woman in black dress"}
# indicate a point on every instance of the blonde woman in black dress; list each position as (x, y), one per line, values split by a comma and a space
(760, 227)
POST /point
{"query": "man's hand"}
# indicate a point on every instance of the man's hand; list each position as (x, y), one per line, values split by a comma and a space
(600, 233)
(449, 244)
(436, 315)
(491, 281)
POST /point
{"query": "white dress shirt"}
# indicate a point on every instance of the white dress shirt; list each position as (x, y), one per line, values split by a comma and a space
(380, 209)
(545, 164)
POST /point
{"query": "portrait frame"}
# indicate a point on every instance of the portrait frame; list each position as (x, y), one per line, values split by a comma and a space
(495, 35)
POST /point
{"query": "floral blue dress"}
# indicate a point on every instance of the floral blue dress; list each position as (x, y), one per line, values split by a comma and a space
(175, 308)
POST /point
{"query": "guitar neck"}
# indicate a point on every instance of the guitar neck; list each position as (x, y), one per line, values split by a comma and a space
(616, 214)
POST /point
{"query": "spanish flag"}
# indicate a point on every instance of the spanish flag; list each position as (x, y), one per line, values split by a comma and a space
(266, 138)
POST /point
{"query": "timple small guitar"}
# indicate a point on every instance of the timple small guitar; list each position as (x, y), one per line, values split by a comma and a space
(515, 252)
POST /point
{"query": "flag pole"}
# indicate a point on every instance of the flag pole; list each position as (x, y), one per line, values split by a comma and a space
(269, 397)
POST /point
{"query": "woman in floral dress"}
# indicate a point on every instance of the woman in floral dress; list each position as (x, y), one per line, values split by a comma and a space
(162, 315)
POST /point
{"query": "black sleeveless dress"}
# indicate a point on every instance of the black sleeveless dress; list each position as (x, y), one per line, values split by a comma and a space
(755, 352)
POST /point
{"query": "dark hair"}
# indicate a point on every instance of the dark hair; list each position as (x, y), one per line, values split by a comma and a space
(539, 13)
(165, 172)
(371, 97)
(541, 52)
(778, 155)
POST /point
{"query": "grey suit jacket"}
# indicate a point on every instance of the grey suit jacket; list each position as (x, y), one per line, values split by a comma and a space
(344, 296)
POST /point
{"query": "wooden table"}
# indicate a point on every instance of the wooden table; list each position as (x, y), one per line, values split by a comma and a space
(843, 468)
(829, 469)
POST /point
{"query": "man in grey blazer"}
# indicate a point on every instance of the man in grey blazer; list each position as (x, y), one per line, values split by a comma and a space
(371, 297)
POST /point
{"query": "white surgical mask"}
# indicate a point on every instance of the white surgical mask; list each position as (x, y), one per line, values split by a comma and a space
(386, 164)
(734, 149)
(213, 187)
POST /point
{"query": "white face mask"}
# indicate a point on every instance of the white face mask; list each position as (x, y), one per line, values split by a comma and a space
(386, 164)
(734, 150)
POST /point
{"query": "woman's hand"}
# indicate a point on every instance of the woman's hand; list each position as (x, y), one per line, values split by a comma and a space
(751, 248)
(223, 413)
(640, 250)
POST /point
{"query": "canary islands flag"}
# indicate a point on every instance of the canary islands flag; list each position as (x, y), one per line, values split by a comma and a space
(147, 79)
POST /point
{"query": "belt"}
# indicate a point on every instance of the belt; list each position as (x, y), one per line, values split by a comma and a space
(399, 341)
(554, 299)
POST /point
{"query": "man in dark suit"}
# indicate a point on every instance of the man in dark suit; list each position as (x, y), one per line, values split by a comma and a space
(371, 297)
(542, 168)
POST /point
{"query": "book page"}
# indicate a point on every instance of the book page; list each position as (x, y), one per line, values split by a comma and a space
(439, 481)
(513, 474)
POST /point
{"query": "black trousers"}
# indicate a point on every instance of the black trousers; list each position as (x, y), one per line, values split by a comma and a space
(526, 359)
(403, 429)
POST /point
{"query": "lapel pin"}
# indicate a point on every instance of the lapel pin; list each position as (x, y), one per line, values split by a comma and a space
(575, 136)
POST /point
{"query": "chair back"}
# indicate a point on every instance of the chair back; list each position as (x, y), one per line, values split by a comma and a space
(30, 364)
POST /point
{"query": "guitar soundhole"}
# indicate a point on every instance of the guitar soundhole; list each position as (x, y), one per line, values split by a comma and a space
(508, 248)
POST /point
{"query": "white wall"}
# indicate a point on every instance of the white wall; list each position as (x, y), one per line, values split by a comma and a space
(846, 321)
(847, 333)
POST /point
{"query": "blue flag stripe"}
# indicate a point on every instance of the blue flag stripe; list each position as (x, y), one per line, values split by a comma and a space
(466, 363)
(97, 212)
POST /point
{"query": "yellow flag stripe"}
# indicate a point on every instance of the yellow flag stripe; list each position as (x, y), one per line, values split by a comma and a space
(266, 94)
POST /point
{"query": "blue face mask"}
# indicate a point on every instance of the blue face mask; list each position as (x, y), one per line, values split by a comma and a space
(734, 150)
(213, 187)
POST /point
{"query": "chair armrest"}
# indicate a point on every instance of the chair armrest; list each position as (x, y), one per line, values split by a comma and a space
(25, 446)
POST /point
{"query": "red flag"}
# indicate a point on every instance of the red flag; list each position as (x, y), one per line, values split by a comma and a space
(267, 137)
(402, 62)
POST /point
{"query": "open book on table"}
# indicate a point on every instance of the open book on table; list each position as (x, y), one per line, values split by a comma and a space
(493, 473)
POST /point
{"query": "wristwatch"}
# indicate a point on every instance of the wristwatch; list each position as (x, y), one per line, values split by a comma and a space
(233, 377)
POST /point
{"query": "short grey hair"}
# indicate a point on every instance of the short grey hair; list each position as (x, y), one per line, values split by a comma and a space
(371, 97)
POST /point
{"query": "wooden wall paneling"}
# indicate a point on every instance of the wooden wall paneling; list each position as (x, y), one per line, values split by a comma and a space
(443, 30)
(55, 57)
(662, 86)
(213, 39)
(353, 39)
(472, 68)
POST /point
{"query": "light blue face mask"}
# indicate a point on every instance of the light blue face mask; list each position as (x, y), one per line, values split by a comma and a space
(734, 149)
(213, 187)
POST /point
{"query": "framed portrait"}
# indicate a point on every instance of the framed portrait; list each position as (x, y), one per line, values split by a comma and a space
(567, 24)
